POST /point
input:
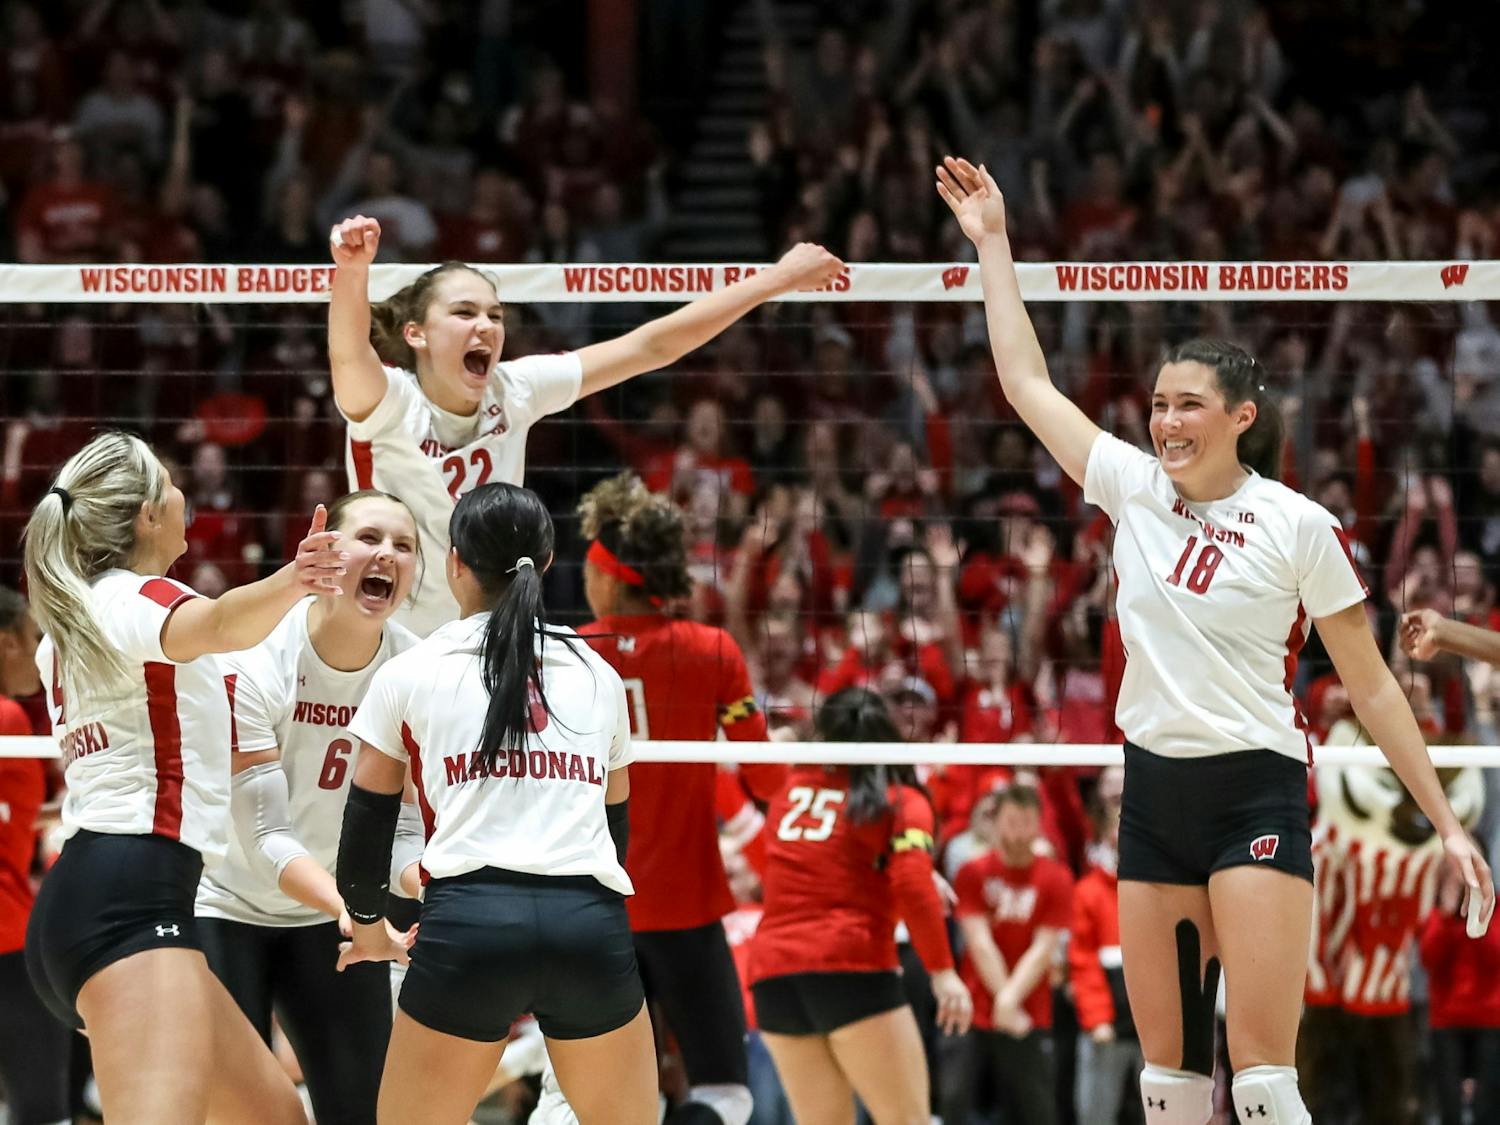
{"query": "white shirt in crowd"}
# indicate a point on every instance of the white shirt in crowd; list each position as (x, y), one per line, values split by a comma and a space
(151, 756)
(1215, 601)
(542, 810)
(284, 696)
(414, 449)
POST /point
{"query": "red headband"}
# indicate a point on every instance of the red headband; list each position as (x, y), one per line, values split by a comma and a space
(606, 560)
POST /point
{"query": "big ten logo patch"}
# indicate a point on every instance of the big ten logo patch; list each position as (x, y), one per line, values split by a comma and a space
(1008, 903)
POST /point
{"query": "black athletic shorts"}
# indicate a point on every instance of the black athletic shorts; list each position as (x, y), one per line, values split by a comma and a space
(820, 1003)
(108, 897)
(339, 1023)
(1185, 818)
(691, 981)
(496, 944)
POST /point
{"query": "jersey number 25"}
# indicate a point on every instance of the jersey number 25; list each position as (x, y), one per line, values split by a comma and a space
(821, 808)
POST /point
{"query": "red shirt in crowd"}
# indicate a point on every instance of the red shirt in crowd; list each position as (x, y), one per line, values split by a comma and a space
(1016, 902)
(683, 680)
(1463, 975)
(1095, 966)
(23, 788)
(68, 222)
(834, 888)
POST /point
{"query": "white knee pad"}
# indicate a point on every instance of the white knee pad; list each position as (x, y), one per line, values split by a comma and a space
(731, 1102)
(1176, 1097)
(1268, 1095)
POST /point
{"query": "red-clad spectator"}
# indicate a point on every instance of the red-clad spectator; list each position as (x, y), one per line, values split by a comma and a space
(1109, 1052)
(67, 216)
(33, 93)
(784, 697)
(873, 653)
(219, 530)
(1014, 908)
(702, 464)
(1463, 994)
(493, 229)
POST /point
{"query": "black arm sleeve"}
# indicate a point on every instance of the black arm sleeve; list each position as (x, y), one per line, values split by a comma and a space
(364, 864)
(619, 827)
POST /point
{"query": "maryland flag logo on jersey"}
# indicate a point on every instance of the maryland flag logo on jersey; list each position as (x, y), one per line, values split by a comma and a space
(737, 712)
(910, 839)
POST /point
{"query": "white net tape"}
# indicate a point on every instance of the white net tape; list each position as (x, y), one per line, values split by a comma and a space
(876, 282)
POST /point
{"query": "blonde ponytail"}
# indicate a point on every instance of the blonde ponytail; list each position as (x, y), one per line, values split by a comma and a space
(81, 528)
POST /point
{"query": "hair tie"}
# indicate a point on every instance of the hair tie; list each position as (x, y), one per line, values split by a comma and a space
(1261, 387)
(65, 496)
(524, 560)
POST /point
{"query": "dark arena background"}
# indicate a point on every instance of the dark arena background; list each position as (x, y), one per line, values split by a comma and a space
(1315, 180)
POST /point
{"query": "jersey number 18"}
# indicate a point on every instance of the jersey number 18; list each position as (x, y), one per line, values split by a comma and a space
(1202, 573)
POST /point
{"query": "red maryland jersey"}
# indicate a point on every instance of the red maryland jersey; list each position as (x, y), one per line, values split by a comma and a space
(683, 680)
(23, 788)
(834, 889)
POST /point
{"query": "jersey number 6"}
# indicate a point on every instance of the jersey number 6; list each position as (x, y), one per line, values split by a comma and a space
(335, 764)
(1203, 573)
(820, 805)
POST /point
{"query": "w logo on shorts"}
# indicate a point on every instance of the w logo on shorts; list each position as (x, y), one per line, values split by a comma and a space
(1264, 847)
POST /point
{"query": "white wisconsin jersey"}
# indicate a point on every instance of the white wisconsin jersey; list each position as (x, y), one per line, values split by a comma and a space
(414, 449)
(153, 759)
(1215, 601)
(284, 696)
(541, 811)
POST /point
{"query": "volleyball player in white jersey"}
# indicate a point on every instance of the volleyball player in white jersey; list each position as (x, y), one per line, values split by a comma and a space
(1220, 570)
(141, 708)
(518, 738)
(449, 416)
(269, 915)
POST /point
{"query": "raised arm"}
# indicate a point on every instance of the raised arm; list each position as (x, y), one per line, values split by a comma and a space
(665, 340)
(974, 198)
(358, 377)
(245, 616)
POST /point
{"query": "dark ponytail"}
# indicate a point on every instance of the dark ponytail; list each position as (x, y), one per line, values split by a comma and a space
(1241, 379)
(503, 533)
(389, 318)
(858, 715)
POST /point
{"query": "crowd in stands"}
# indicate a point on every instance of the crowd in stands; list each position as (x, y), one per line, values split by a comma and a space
(865, 509)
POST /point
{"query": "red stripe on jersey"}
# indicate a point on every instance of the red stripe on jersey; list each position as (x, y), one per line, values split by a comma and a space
(1343, 539)
(57, 691)
(1294, 642)
(230, 681)
(364, 464)
(166, 733)
(166, 594)
(428, 820)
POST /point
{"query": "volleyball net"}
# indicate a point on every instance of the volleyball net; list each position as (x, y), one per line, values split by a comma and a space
(863, 508)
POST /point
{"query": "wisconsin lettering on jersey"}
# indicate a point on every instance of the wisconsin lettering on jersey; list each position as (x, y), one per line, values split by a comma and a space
(1008, 903)
(83, 741)
(546, 765)
(431, 447)
(1212, 533)
(322, 714)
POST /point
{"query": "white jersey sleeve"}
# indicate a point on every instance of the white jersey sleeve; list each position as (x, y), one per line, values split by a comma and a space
(255, 703)
(1116, 470)
(390, 414)
(539, 385)
(621, 750)
(136, 622)
(1327, 577)
(378, 720)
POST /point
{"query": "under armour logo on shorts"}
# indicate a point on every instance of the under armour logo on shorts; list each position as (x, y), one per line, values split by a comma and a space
(1258, 1111)
(1264, 847)
(1152, 1103)
(168, 931)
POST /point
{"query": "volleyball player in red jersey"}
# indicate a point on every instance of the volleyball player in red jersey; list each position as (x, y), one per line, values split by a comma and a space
(850, 852)
(33, 1045)
(683, 680)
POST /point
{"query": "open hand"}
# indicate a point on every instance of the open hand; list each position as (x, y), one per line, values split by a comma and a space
(319, 564)
(378, 942)
(973, 196)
